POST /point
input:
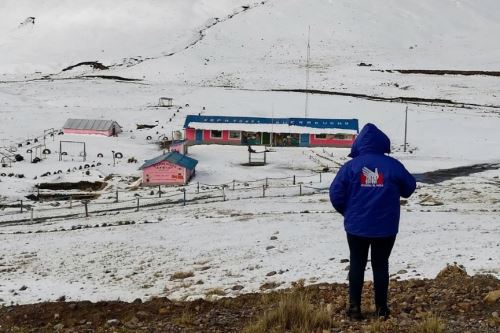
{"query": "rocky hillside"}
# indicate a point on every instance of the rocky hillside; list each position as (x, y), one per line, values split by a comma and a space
(452, 302)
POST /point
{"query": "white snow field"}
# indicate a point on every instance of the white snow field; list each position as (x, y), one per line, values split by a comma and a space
(230, 57)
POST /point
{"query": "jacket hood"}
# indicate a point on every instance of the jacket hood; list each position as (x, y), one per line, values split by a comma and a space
(370, 140)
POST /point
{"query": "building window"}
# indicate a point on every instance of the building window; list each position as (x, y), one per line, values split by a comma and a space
(338, 136)
(214, 134)
(234, 135)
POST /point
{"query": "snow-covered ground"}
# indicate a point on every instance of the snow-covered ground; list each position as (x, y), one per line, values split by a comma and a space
(225, 57)
(229, 243)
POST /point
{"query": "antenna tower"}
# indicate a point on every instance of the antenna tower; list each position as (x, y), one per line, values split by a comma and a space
(306, 111)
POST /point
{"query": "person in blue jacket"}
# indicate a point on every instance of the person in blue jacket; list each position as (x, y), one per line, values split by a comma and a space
(366, 191)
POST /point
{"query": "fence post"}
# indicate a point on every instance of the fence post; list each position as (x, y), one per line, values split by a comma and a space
(86, 208)
(184, 197)
(116, 198)
(198, 188)
(21, 206)
(267, 184)
(234, 181)
(293, 179)
(320, 176)
(300, 189)
(223, 193)
(263, 191)
(159, 191)
(137, 208)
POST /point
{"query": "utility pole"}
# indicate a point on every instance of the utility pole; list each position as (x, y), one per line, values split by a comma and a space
(406, 127)
(272, 127)
(307, 71)
(85, 203)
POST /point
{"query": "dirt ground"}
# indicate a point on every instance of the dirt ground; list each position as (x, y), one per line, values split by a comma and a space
(458, 300)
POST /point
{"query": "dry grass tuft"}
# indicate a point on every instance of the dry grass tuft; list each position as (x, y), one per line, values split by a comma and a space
(270, 285)
(452, 271)
(181, 275)
(295, 313)
(215, 292)
(379, 326)
(430, 324)
(299, 284)
(187, 319)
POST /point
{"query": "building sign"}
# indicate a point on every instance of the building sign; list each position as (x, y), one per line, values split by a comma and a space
(164, 173)
(350, 124)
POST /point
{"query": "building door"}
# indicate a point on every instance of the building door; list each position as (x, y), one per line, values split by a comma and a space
(199, 136)
(304, 140)
(266, 138)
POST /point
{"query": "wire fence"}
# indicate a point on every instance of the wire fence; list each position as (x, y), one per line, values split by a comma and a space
(17, 212)
(78, 204)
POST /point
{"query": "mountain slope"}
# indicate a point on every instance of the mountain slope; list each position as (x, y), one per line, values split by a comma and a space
(67, 32)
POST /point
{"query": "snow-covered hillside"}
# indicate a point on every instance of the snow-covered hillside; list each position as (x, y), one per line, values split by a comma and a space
(64, 33)
(236, 57)
(387, 34)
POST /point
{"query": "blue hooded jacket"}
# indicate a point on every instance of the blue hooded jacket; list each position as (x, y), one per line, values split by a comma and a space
(366, 190)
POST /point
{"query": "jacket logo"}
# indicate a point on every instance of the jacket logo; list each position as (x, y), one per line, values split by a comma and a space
(371, 178)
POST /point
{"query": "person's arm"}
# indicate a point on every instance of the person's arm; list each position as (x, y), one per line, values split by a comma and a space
(407, 183)
(338, 190)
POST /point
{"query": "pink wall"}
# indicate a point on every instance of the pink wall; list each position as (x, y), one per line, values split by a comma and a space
(190, 134)
(78, 131)
(164, 173)
(207, 138)
(332, 142)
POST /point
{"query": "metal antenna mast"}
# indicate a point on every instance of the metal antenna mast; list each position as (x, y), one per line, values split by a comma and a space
(307, 71)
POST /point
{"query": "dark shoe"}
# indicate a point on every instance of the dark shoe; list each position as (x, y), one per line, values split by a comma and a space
(383, 312)
(354, 312)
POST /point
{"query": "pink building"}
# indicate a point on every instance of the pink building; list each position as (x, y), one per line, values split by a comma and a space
(281, 132)
(92, 126)
(169, 169)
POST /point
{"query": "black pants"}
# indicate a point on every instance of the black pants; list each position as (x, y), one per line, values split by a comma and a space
(380, 252)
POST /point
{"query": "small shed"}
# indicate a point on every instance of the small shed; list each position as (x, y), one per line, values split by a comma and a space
(168, 169)
(179, 146)
(92, 126)
(166, 101)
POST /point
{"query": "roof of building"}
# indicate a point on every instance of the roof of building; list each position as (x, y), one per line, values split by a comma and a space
(177, 142)
(269, 128)
(90, 124)
(294, 125)
(172, 157)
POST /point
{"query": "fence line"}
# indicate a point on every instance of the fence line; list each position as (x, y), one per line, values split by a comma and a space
(155, 205)
(185, 195)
